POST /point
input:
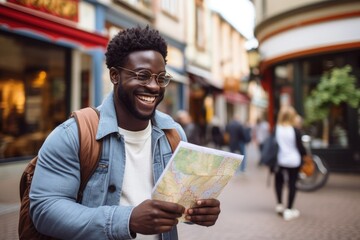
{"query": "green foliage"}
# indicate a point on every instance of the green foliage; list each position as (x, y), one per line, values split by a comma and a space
(335, 87)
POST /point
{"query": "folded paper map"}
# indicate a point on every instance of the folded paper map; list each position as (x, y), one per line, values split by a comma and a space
(195, 172)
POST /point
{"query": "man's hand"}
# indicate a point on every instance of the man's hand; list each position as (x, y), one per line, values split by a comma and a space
(154, 217)
(205, 213)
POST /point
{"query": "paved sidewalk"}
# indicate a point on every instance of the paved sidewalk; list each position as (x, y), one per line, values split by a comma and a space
(247, 204)
(10, 174)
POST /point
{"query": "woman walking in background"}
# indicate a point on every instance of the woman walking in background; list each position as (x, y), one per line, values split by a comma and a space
(289, 160)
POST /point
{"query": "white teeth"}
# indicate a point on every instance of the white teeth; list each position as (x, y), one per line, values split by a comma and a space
(146, 98)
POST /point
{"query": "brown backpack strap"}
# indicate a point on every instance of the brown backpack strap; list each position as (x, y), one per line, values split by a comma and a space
(173, 137)
(90, 149)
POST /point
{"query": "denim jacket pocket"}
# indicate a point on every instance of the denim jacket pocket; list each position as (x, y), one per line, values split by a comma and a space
(160, 164)
(96, 186)
(166, 158)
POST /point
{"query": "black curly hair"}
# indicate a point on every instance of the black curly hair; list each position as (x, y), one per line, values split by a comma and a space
(131, 40)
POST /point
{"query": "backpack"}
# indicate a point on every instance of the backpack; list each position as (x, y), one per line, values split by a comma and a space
(173, 138)
(269, 151)
(87, 120)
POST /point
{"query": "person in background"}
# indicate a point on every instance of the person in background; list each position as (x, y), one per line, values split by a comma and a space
(261, 132)
(289, 160)
(298, 122)
(117, 202)
(217, 135)
(239, 135)
(192, 131)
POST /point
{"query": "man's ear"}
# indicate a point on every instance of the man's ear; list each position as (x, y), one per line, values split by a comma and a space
(114, 75)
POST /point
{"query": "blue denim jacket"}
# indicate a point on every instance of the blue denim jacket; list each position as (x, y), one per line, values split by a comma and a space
(56, 181)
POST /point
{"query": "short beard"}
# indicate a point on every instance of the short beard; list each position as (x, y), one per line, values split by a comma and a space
(123, 97)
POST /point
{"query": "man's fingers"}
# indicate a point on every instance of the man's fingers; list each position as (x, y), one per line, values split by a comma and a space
(204, 213)
(207, 203)
(203, 220)
(153, 217)
(168, 207)
(205, 207)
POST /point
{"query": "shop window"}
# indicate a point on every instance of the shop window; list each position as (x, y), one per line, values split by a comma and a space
(314, 67)
(342, 126)
(284, 74)
(358, 121)
(333, 131)
(284, 78)
(170, 7)
(85, 78)
(32, 94)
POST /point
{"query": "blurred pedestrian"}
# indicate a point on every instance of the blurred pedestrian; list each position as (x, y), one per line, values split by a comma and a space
(298, 122)
(289, 160)
(217, 134)
(192, 131)
(239, 135)
(261, 132)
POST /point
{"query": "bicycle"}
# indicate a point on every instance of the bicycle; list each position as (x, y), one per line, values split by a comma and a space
(320, 175)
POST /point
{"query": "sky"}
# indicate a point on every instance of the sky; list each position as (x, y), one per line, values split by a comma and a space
(240, 14)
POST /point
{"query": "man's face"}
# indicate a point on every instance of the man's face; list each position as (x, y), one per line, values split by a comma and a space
(141, 101)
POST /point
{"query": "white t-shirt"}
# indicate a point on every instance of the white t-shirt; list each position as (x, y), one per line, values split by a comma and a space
(138, 177)
(288, 154)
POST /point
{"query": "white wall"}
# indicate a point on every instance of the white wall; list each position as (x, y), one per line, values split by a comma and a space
(323, 34)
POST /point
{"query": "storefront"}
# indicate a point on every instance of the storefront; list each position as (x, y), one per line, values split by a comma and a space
(237, 103)
(290, 82)
(46, 70)
(205, 100)
(300, 43)
(176, 94)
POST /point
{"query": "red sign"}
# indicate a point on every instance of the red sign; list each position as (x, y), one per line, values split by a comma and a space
(54, 31)
(67, 9)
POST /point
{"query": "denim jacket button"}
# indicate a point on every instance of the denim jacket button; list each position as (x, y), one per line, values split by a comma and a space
(112, 188)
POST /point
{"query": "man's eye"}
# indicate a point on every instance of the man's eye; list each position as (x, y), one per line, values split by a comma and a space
(144, 76)
(162, 78)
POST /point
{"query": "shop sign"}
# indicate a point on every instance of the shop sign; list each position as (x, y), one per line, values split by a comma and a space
(67, 9)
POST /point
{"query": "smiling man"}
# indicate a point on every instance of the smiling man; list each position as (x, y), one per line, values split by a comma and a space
(116, 202)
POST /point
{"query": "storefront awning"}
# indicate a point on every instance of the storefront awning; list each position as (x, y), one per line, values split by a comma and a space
(205, 76)
(178, 77)
(25, 22)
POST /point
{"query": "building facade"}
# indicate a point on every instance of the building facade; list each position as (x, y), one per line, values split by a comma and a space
(298, 42)
(217, 66)
(52, 62)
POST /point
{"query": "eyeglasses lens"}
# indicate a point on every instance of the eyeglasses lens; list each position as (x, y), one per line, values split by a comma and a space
(162, 79)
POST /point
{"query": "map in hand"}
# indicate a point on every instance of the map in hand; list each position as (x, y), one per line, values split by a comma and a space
(195, 172)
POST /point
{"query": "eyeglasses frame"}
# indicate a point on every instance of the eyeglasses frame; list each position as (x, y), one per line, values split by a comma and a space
(144, 83)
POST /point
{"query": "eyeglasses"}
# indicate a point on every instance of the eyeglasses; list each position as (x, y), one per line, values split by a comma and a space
(144, 77)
